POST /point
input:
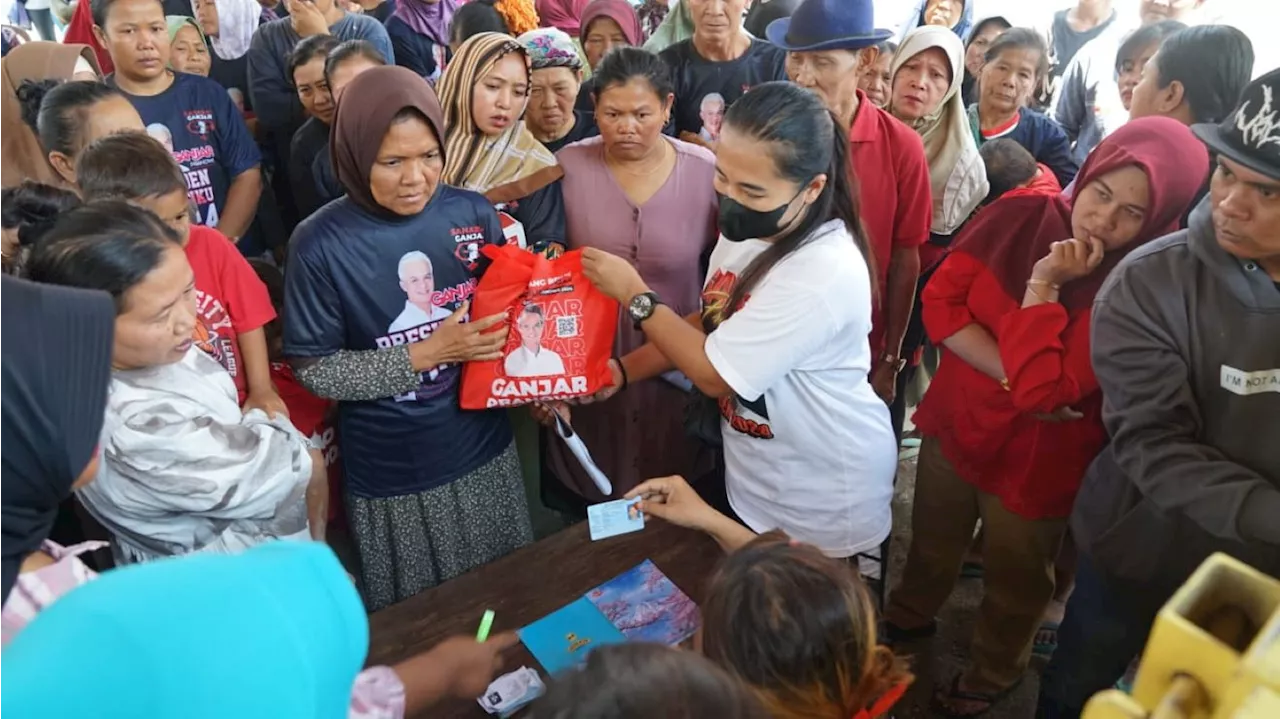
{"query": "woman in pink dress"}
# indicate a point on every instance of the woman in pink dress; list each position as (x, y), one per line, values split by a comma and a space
(638, 194)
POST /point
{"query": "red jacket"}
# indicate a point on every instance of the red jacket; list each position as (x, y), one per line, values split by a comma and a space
(991, 436)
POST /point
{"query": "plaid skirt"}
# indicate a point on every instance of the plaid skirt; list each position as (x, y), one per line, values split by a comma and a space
(413, 542)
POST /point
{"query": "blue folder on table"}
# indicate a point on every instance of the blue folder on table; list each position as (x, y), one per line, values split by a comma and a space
(564, 638)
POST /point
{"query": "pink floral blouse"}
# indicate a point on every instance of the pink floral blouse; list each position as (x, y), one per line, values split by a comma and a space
(378, 692)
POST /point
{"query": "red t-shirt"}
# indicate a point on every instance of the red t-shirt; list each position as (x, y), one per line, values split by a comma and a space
(990, 435)
(310, 415)
(895, 201)
(230, 300)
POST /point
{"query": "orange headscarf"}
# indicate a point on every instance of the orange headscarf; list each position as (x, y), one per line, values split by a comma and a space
(520, 15)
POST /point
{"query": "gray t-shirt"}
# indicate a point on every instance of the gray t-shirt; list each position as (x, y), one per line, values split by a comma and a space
(1066, 42)
(1087, 101)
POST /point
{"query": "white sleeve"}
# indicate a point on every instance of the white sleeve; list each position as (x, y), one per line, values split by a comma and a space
(785, 320)
(170, 462)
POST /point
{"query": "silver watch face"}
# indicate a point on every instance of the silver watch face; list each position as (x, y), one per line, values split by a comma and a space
(641, 307)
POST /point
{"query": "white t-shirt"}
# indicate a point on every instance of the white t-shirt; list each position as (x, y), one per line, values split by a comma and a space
(814, 454)
(523, 363)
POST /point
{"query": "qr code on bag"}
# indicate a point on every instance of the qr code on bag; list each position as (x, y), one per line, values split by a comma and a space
(567, 326)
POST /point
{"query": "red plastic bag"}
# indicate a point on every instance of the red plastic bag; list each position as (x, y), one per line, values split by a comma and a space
(562, 331)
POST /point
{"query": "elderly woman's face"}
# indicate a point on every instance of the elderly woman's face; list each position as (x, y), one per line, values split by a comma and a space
(630, 118)
(716, 20)
(945, 13)
(407, 169)
(920, 84)
(877, 79)
(499, 97)
(553, 92)
(188, 52)
(603, 35)
(158, 319)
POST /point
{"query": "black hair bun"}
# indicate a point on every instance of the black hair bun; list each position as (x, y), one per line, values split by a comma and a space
(31, 95)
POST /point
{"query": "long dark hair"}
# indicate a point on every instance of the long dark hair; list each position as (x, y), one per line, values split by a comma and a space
(58, 111)
(107, 245)
(638, 681)
(32, 208)
(803, 143)
(799, 628)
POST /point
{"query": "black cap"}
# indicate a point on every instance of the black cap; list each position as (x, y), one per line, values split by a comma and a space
(1251, 134)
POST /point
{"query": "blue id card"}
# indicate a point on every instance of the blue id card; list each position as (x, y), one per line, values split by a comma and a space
(609, 519)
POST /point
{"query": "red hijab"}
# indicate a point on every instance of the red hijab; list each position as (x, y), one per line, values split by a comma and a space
(1013, 233)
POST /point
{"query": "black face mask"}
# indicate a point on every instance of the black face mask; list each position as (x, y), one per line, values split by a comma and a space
(739, 223)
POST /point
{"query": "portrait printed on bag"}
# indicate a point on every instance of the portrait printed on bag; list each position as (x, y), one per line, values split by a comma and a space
(530, 358)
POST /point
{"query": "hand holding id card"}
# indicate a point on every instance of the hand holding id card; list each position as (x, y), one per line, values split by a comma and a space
(609, 519)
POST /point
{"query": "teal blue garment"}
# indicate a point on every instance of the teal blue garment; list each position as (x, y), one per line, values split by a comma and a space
(277, 632)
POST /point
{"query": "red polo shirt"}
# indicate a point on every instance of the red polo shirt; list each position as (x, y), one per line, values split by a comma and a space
(893, 191)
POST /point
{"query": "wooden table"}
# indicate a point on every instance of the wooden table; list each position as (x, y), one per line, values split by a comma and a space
(529, 584)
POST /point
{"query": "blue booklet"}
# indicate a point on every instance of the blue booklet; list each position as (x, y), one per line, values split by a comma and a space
(564, 638)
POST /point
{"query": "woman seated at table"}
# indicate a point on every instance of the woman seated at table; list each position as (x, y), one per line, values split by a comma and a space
(1013, 417)
(378, 287)
(780, 349)
(487, 147)
(184, 471)
(649, 198)
(774, 599)
(276, 631)
(555, 75)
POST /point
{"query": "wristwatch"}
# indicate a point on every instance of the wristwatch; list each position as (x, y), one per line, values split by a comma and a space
(642, 306)
(894, 360)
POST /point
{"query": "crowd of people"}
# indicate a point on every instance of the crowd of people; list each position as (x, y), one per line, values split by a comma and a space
(241, 241)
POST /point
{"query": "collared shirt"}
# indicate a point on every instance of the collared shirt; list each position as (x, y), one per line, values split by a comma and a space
(523, 363)
(414, 316)
(895, 200)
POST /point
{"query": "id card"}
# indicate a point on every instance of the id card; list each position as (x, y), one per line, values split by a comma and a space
(609, 519)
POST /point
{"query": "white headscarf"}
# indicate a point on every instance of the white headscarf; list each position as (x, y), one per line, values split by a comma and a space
(237, 20)
(956, 172)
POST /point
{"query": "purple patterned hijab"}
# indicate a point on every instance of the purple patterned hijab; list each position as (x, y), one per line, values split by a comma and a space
(428, 19)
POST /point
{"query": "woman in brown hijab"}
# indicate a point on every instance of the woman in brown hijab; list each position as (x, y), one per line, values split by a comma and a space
(378, 287)
(24, 158)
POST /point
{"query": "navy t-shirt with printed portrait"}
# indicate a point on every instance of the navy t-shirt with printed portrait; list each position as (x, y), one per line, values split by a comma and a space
(719, 84)
(357, 281)
(202, 127)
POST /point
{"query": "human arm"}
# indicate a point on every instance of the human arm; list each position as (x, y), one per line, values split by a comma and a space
(1045, 349)
(1155, 420)
(949, 322)
(275, 103)
(673, 500)
(242, 203)
(898, 296)
(458, 667)
(317, 496)
(542, 214)
(1070, 101)
(249, 309)
(240, 159)
(257, 368)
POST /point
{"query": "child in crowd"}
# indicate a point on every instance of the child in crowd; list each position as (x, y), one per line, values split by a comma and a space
(1012, 169)
(232, 302)
(639, 681)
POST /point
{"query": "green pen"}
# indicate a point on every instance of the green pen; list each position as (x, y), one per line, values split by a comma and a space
(486, 623)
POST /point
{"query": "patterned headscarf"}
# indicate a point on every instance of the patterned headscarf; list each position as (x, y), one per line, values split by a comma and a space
(507, 166)
(550, 47)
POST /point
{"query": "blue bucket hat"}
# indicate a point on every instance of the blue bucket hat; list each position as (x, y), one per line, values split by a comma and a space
(828, 25)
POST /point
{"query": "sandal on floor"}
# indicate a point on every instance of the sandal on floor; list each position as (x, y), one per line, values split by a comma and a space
(1046, 641)
(896, 635)
(984, 700)
(972, 570)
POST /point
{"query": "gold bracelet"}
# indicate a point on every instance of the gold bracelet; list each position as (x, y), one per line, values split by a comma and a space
(1044, 283)
(1038, 296)
(1004, 384)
